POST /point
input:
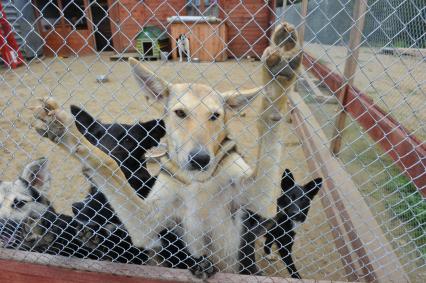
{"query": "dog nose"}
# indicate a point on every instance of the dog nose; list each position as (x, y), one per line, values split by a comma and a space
(199, 159)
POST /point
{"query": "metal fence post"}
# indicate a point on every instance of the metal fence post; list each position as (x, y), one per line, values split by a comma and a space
(351, 64)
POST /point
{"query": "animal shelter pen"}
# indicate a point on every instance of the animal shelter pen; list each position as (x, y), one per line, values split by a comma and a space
(353, 117)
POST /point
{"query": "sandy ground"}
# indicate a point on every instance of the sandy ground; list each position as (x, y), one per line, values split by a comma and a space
(395, 83)
(73, 81)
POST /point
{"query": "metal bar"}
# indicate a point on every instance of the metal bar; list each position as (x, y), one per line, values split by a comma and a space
(351, 64)
(303, 13)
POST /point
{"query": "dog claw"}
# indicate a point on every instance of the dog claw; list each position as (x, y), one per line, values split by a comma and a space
(55, 122)
(42, 132)
(283, 58)
(203, 268)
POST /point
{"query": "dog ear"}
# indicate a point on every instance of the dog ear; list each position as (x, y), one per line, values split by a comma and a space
(86, 124)
(312, 188)
(237, 99)
(153, 86)
(287, 180)
(37, 174)
(152, 132)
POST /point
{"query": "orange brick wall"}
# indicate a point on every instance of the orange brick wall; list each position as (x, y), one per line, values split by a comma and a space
(67, 42)
(247, 23)
(247, 26)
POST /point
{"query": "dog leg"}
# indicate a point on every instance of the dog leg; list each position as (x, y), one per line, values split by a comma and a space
(281, 63)
(136, 214)
(188, 52)
(285, 250)
(252, 227)
(194, 237)
(247, 254)
(180, 51)
(267, 248)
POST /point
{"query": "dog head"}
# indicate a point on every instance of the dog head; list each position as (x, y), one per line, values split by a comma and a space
(296, 200)
(122, 141)
(127, 144)
(23, 198)
(194, 117)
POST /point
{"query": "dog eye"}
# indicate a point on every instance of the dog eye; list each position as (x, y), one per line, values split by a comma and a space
(214, 116)
(180, 113)
(18, 203)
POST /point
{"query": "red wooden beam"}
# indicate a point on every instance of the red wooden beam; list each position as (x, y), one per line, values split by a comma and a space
(399, 143)
(22, 266)
(17, 272)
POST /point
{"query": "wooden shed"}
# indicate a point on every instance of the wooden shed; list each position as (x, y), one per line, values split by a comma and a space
(70, 29)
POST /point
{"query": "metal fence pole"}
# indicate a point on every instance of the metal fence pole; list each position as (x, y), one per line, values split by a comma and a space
(351, 64)
(303, 12)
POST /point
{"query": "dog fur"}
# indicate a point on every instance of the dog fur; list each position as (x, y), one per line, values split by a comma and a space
(127, 144)
(28, 220)
(209, 209)
(95, 211)
(101, 231)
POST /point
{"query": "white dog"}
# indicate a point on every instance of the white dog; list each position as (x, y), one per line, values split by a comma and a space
(183, 47)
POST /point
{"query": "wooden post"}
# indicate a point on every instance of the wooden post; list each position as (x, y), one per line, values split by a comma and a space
(303, 12)
(351, 64)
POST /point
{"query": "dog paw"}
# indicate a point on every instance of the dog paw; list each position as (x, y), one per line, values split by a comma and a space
(252, 270)
(283, 57)
(89, 237)
(203, 268)
(53, 122)
(271, 257)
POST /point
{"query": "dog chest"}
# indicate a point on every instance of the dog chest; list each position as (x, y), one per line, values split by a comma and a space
(206, 201)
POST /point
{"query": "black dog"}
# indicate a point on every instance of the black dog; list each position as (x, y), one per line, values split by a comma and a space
(127, 144)
(102, 232)
(293, 205)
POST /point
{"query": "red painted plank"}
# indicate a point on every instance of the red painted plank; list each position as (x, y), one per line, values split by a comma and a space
(13, 271)
(397, 141)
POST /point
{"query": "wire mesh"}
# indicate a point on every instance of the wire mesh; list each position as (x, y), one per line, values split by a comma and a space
(76, 53)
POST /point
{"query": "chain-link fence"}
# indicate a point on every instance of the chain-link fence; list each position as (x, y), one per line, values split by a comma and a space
(222, 149)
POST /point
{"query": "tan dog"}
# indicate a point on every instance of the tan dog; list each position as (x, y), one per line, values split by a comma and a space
(204, 182)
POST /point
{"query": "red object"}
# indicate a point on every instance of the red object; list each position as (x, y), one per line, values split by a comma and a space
(399, 143)
(9, 48)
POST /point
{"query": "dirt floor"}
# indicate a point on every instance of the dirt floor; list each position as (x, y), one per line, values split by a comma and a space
(396, 83)
(73, 81)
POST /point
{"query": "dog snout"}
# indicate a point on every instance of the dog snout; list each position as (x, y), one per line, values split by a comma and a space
(199, 159)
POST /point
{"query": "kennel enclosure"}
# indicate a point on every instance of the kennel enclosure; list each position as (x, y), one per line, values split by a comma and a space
(356, 120)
